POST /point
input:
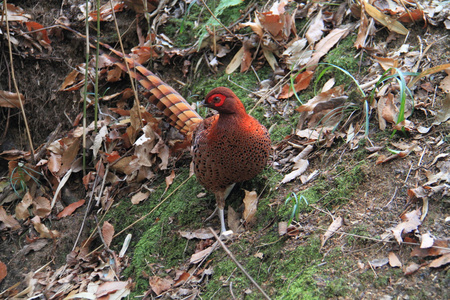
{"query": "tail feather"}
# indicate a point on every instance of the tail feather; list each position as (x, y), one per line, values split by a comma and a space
(178, 111)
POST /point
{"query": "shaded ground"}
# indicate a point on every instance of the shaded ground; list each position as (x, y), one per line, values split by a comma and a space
(370, 197)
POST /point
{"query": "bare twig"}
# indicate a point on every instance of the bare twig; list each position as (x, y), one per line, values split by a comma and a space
(16, 87)
(238, 264)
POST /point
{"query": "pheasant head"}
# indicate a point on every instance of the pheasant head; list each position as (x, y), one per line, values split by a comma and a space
(224, 101)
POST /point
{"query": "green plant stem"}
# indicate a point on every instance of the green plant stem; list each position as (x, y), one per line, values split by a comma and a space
(97, 53)
(86, 80)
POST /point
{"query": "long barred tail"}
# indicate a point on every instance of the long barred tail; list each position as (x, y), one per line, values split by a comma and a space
(178, 111)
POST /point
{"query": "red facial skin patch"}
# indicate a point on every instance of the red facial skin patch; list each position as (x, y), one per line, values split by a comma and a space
(216, 99)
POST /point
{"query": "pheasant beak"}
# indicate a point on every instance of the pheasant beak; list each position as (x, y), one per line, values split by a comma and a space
(205, 104)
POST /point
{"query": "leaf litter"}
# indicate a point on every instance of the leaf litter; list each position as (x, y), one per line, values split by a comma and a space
(141, 151)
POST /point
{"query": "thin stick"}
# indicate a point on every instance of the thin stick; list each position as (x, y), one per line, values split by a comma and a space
(238, 264)
(16, 87)
(146, 215)
(215, 18)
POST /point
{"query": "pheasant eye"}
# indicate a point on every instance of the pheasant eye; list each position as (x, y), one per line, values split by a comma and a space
(216, 99)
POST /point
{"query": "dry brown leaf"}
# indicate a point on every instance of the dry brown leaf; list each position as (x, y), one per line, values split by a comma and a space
(54, 162)
(106, 13)
(394, 261)
(114, 74)
(412, 16)
(160, 285)
(184, 276)
(246, 59)
(363, 30)
(236, 61)
(71, 148)
(428, 72)
(301, 82)
(8, 220)
(35, 245)
(334, 226)
(322, 98)
(251, 206)
(139, 197)
(11, 100)
(75, 80)
(441, 261)
(111, 287)
(16, 13)
(327, 43)
(202, 234)
(198, 256)
(43, 230)
(300, 168)
(443, 113)
(440, 247)
(315, 30)
(411, 221)
(3, 271)
(282, 228)
(387, 62)
(270, 57)
(427, 240)
(169, 179)
(389, 22)
(41, 207)
(22, 212)
(69, 209)
(255, 26)
(411, 268)
(107, 232)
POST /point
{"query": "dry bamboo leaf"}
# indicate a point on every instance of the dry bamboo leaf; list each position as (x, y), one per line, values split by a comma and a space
(235, 62)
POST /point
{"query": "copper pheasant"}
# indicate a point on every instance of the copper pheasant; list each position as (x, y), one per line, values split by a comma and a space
(227, 148)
